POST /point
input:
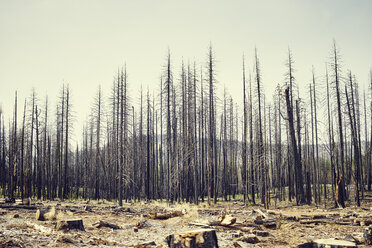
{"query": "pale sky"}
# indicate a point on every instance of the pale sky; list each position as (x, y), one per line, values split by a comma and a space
(45, 43)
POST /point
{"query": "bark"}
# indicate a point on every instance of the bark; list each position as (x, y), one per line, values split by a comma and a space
(298, 166)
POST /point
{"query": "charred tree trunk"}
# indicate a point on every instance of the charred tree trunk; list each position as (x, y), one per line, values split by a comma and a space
(298, 167)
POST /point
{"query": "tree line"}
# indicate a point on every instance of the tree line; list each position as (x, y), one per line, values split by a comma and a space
(184, 143)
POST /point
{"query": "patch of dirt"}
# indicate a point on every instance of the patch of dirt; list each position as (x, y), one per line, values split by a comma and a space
(292, 225)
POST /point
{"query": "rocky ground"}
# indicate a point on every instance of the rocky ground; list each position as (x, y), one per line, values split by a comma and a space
(148, 224)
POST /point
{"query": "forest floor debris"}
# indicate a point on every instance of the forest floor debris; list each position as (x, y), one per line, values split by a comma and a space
(148, 225)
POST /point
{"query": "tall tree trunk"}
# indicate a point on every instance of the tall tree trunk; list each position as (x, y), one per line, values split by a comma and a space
(244, 143)
(260, 148)
(341, 192)
(298, 166)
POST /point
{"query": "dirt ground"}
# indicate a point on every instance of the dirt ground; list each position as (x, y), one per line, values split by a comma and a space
(138, 227)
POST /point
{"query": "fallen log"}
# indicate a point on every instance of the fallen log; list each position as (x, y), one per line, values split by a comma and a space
(226, 220)
(305, 222)
(142, 223)
(145, 245)
(294, 218)
(250, 238)
(237, 245)
(14, 207)
(40, 228)
(366, 222)
(269, 223)
(200, 225)
(261, 213)
(323, 243)
(46, 214)
(345, 223)
(199, 238)
(70, 224)
(103, 242)
(318, 216)
(65, 239)
(10, 200)
(106, 224)
(261, 233)
(164, 216)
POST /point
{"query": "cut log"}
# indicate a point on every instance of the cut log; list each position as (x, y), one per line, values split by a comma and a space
(318, 216)
(334, 243)
(294, 218)
(306, 222)
(70, 224)
(261, 233)
(14, 207)
(164, 216)
(226, 220)
(65, 239)
(199, 238)
(88, 208)
(366, 222)
(200, 225)
(367, 235)
(250, 238)
(46, 214)
(269, 223)
(40, 228)
(106, 224)
(351, 238)
(261, 213)
(328, 243)
(146, 245)
(237, 245)
(142, 223)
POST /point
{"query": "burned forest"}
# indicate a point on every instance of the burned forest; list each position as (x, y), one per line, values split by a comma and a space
(183, 143)
(186, 149)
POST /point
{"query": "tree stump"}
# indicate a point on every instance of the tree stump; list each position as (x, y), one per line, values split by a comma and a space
(199, 238)
(367, 235)
(70, 224)
(46, 214)
(226, 220)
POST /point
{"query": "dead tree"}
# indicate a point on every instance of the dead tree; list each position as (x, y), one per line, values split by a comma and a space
(38, 178)
(298, 166)
(45, 174)
(22, 150)
(352, 118)
(316, 173)
(2, 156)
(97, 115)
(331, 144)
(195, 138)
(260, 148)
(13, 153)
(66, 163)
(212, 147)
(148, 158)
(370, 144)
(251, 147)
(244, 143)
(336, 71)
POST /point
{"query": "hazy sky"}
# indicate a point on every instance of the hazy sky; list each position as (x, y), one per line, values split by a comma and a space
(45, 43)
